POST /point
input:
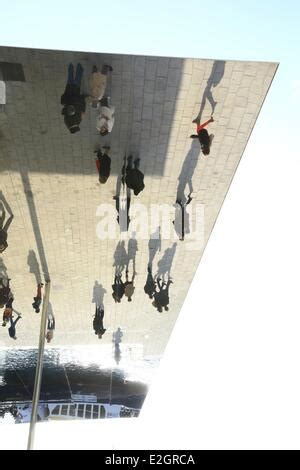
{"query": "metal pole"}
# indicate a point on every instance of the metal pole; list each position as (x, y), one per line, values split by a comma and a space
(39, 367)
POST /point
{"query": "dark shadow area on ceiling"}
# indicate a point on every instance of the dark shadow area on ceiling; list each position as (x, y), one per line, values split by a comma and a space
(143, 91)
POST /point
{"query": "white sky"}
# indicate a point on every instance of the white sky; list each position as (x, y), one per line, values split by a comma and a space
(230, 375)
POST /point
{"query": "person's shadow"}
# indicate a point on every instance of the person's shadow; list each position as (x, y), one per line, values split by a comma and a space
(132, 249)
(5, 209)
(120, 257)
(34, 266)
(182, 218)
(214, 79)
(98, 295)
(117, 339)
(122, 200)
(187, 171)
(165, 263)
(3, 270)
(154, 245)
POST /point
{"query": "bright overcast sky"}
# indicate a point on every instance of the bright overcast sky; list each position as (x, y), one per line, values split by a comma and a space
(230, 376)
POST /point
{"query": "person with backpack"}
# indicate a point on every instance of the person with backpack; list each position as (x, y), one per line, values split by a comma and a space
(72, 100)
(132, 175)
(204, 138)
(103, 162)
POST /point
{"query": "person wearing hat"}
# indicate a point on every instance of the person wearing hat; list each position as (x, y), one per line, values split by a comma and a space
(72, 100)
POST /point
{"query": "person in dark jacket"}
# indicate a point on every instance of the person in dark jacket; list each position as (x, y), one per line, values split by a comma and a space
(73, 101)
(132, 175)
(103, 163)
(4, 208)
(4, 292)
(161, 298)
(150, 287)
(38, 299)
(98, 322)
(118, 288)
(204, 138)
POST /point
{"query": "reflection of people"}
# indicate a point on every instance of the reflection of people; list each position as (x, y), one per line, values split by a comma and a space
(98, 322)
(73, 101)
(133, 177)
(181, 222)
(4, 292)
(4, 207)
(38, 299)
(12, 328)
(204, 138)
(105, 119)
(149, 287)
(161, 298)
(7, 314)
(50, 328)
(97, 84)
(129, 287)
(103, 163)
(118, 288)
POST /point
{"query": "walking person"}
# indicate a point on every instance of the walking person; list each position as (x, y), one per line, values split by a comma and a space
(4, 292)
(7, 314)
(161, 297)
(103, 162)
(150, 287)
(4, 226)
(106, 116)
(50, 327)
(97, 84)
(129, 287)
(118, 288)
(72, 100)
(38, 299)
(132, 175)
(98, 322)
(181, 222)
(12, 328)
(204, 138)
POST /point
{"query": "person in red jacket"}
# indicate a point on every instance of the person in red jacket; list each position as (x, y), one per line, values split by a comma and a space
(204, 138)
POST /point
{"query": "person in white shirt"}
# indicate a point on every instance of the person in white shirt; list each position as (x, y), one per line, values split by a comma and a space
(105, 119)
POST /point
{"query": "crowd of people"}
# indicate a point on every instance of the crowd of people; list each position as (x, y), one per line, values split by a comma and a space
(74, 104)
